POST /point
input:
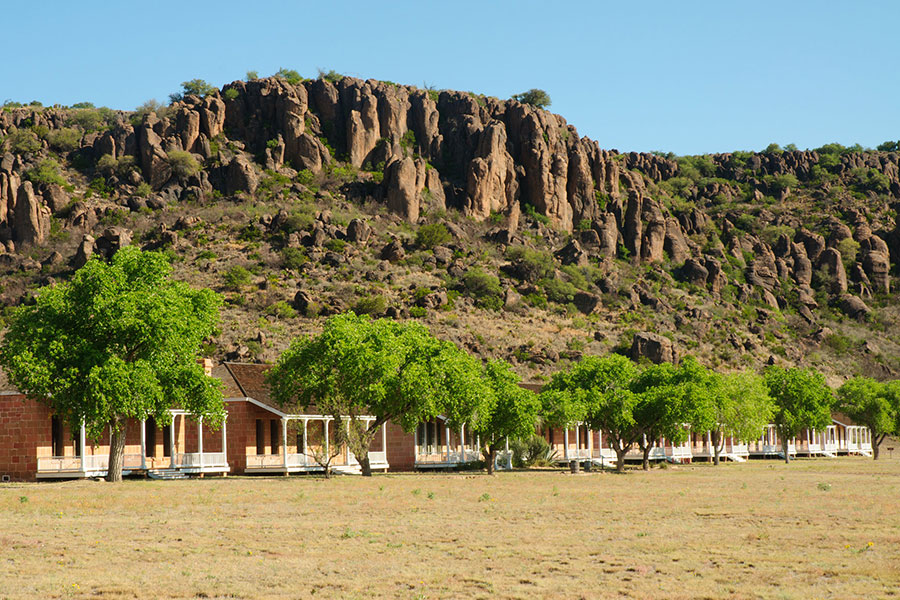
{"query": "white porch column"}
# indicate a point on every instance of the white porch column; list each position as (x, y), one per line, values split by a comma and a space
(415, 444)
(81, 440)
(200, 441)
(384, 440)
(709, 448)
(508, 456)
(590, 447)
(577, 441)
(305, 455)
(284, 444)
(462, 442)
(447, 438)
(347, 449)
(325, 429)
(172, 443)
(143, 445)
(225, 439)
(566, 444)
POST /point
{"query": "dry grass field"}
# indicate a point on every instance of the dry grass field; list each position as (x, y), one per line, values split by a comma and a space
(814, 529)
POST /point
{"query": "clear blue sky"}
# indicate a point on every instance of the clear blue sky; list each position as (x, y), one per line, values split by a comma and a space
(682, 76)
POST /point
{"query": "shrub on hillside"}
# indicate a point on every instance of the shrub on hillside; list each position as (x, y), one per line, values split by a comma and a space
(534, 97)
(46, 172)
(183, 164)
(237, 277)
(370, 305)
(289, 75)
(484, 288)
(65, 139)
(530, 265)
(22, 141)
(530, 451)
(431, 235)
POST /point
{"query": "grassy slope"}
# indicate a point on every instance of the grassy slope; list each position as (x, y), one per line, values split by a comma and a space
(816, 528)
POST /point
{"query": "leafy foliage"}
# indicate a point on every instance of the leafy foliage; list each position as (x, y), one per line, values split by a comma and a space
(534, 97)
(392, 371)
(117, 341)
(802, 400)
(873, 404)
(431, 235)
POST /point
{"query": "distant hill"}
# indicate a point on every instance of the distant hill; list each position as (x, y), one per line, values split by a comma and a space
(490, 220)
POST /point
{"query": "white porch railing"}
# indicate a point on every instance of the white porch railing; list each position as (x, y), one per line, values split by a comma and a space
(58, 464)
(92, 463)
(193, 459)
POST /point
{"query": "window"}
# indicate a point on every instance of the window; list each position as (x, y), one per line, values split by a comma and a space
(56, 433)
(275, 435)
(150, 437)
(260, 437)
(167, 441)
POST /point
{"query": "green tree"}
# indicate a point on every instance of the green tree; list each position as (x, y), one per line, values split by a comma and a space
(596, 391)
(431, 235)
(534, 97)
(119, 341)
(509, 412)
(381, 368)
(873, 404)
(802, 400)
(671, 398)
(289, 75)
(196, 87)
(743, 408)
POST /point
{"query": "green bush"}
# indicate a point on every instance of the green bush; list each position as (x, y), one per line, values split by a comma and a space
(293, 258)
(237, 277)
(530, 265)
(484, 288)
(88, 119)
(528, 452)
(142, 190)
(282, 310)
(305, 177)
(534, 97)
(431, 235)
(46, 172)
(231, 94)
(289, 75)
(336, 245)
(65, 139)
(418, 312)
(330, 75)
(251, 75)
(198, 87)
(848, 247)
(183, 164)
(370, 305)
(559, 291)
(22, 141)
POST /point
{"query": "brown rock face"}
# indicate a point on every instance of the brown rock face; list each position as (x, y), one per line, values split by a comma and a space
(654, 347)
(491, 181)
(84, 252)
(675, 244)
(831, 263)
(32, 218)
(802, 265)
(402, 195)
(855, 307)
(653, 241)
(154, 161)
(358, 231)
(876, 261)
(241, 176)
(608, 231)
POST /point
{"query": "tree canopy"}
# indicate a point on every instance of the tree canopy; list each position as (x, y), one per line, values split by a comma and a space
(119, 340)
(742, 407)
(802, 400)
(534, 97)
(381, 368)
(873, 404)
(508, 412)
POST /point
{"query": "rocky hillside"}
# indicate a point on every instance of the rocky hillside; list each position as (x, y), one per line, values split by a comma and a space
(492, 221)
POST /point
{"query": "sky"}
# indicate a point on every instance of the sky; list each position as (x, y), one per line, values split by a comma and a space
(687, 77)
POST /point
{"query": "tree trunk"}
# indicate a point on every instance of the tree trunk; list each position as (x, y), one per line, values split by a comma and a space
(490, 455)
(116, 450)
(876, 442)
(784, 447)
(620, 459)
(365, 465)
(715, 441)
(646, 462)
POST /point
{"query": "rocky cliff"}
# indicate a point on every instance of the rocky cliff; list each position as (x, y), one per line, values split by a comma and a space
(451, 207)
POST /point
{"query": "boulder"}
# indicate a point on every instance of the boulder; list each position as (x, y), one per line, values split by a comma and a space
(654, 347)
(84, 252)
(832, 264)
(675, 244)
(154, 160)
(695, 272)
(112, 240)
(358, 231)
(586, 302)
(854, 307)
(55, 197)
(491, 183)
(393, 251)
(572, 254)
(32, 218)
(241, 176)
(400, 183)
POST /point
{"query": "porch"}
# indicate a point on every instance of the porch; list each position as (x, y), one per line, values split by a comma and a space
(80, 459)
(306, 443)
(450, 450)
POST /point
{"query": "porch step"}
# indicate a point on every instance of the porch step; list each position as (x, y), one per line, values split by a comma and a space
(829, 454)
(734, 457)
(166, 474)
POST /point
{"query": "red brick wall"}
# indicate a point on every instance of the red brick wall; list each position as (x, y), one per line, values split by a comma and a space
(24, 429)
(401, 451)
